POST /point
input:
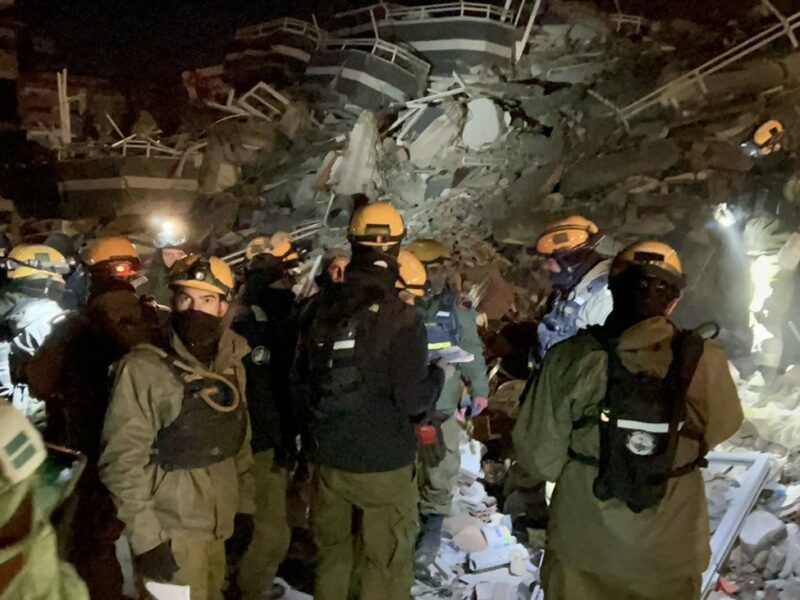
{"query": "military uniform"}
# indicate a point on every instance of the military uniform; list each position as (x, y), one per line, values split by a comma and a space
(155, 282)
(602, 549)
(29, 565)
(450, 320)
(364, 354)
(184, 483)
(272, 337)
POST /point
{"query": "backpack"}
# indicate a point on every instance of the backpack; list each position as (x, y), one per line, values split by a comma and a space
(641, 419)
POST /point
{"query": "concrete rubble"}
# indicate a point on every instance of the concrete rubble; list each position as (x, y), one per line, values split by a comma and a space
(482, 152)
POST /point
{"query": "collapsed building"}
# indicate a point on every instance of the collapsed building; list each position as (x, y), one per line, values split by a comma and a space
(483, 123)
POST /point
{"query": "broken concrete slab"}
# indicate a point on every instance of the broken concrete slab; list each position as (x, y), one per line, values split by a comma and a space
(440, 134)
(761, 529)
(650, 159)
(484, 123)
(358, 173)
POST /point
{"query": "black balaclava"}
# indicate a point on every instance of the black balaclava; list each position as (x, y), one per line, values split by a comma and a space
(638, 297)
(199, 332)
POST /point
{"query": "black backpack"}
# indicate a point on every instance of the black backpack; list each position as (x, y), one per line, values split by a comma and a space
(641, 418)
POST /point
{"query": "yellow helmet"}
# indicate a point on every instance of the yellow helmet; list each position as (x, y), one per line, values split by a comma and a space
(258, 245)
(281, 247)
(36, 261)
(429, 251)
(200, 273)
(652, 258)
(412, 274)
(566, 235)
(769, 133)
(376, 224)
(110, 249)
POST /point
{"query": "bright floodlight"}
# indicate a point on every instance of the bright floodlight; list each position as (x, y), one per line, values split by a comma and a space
(724, 216)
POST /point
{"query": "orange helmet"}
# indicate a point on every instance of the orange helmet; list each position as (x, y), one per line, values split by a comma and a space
(652, 258)
(412, 274)
(376, 224)
(567, 235)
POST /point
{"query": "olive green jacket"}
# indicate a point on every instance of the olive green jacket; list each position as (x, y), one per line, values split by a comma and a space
(156, 283)
(606, 537)
(151, 502)
(41, 575)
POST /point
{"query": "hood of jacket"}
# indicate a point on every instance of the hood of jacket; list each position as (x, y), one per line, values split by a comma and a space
(647, 346)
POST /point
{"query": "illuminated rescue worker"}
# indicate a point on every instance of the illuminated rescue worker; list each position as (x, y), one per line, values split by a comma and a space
(35, 280)
(177, 457)
(70, 372)
(364, 354)
(269, 325)
(450, 320)
(171, 243)
(621, 417)
(580, 295)
(29, 564)
(768, 138)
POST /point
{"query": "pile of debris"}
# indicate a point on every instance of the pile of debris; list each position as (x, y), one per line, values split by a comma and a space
(479, 557)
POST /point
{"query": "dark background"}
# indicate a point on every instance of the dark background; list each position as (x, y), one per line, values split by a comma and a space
(156, 39)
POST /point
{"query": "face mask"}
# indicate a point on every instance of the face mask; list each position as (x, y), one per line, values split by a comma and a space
(200, 333)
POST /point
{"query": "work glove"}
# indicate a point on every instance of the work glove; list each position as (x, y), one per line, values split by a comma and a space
(475, 406)
(237, 544)
(430, 440)
(157, 564)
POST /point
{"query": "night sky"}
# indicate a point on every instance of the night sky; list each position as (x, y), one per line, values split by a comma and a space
(145, 39)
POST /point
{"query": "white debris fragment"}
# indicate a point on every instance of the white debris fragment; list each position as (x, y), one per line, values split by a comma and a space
(485, 123)
(760, 530)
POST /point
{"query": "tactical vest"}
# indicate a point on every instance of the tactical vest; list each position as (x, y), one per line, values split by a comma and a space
(336, 378)
(561, 322)
(641, 419)
(442, 326)
(212, 423)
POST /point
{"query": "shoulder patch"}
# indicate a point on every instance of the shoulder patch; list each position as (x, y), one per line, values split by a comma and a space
(465, 303)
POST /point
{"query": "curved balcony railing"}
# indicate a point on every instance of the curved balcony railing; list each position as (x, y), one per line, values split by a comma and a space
(287, 25)
(382, 49)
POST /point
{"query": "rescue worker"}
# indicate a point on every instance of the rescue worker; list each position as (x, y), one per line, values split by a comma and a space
(29, 564)
(269, 325)
(364, 354)
(36, 283)
(621, 417)
(579, 274)
(70, 372)
(171, 245)
(450, 320)
(177, 457)
(767, 139)
(32, 271)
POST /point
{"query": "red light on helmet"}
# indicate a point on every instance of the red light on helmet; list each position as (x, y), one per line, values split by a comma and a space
(122, 270)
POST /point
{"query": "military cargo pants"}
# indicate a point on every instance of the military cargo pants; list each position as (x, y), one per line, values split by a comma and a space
(388, 506)
(561, 582)
(436, 484)
(272, 534)
(201, 564)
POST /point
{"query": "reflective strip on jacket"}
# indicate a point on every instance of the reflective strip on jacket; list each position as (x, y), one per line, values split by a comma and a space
(606, 537)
